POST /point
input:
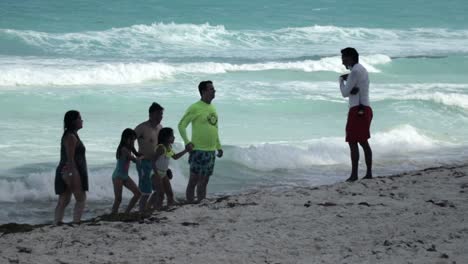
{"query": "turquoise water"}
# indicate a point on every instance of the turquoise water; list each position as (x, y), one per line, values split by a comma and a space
(274, 64)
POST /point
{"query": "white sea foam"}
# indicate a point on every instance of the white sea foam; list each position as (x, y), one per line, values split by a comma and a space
(40, 186)
(441, 93)
(331, 151)
(450, 99)
(449, 94)
(18, 72)
(393, 144)
(181, 40)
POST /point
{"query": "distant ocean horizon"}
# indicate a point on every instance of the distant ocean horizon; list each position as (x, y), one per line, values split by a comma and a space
(275, 66)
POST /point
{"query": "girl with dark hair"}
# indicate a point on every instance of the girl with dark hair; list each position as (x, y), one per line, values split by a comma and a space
(161, 177)
(71, 176)
(120, 176)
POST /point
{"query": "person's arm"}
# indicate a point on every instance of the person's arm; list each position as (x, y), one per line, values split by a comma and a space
(346, 89)
(128, 154)
(184, 122)
(219, 148)
(180, 154)
(139, 136)
(135, 152)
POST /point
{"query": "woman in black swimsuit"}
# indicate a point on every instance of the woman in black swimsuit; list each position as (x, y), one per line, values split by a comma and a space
(71, 176)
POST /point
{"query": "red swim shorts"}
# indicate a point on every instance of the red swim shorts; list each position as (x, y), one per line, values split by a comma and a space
(358, 125)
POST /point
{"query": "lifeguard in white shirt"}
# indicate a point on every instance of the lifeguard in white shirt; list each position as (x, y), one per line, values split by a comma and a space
(355, 86)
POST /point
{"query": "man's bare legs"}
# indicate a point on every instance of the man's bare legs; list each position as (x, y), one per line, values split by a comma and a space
(196, 181)
(201, 187)
(368, 156)
(354, 149)
(190, 192)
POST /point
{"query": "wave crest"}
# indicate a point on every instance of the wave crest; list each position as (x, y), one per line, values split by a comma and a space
(205, 40)
(330, 150)
(18, 72)
(395, 144)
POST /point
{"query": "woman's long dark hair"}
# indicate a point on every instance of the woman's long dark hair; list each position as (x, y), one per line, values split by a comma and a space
(128, 133)
(69, 121)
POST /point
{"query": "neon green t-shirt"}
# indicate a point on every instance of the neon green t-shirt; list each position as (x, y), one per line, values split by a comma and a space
(204, 120)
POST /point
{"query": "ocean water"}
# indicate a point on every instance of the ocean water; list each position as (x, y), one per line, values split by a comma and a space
(275, 66)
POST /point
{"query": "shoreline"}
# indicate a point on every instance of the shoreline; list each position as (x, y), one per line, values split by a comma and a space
(420, 215)
(16, 227)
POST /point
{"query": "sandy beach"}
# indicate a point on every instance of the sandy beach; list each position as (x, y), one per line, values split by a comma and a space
(415, 217)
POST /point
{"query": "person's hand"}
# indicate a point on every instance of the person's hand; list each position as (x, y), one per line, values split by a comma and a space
(220, 153)
(169, 174)
(344, 76)
(189, 147)
(137, 159)
(355, 90)
(68, 169)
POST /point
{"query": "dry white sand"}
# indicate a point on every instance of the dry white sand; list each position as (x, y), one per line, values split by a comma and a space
(418, 217)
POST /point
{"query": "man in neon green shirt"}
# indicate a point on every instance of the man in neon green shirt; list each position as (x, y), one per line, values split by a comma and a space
(205, 140)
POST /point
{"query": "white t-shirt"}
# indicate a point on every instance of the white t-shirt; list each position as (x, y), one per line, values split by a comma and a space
(358, 77)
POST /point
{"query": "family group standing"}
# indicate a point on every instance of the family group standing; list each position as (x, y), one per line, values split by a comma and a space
(152, 158)
(155, 148)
